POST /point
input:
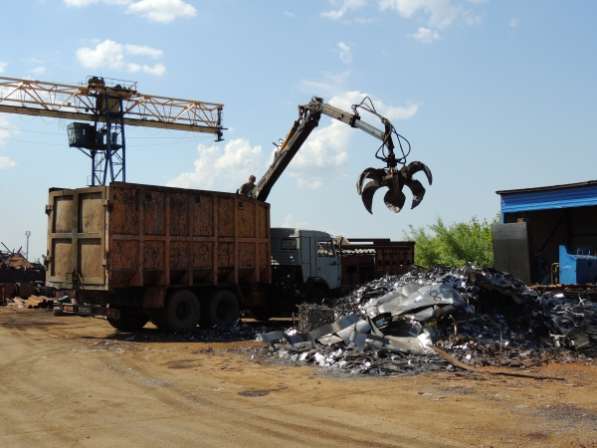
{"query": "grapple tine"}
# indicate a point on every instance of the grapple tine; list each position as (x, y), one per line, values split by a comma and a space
(375, 174)
(394, 197)
(418, 192)
(394, 200)
(368, 193)
(416, 166)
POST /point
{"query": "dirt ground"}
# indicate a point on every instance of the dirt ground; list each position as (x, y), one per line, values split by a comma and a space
(74, 382)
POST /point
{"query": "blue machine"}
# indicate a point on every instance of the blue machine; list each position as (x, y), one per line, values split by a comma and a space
(577, 269)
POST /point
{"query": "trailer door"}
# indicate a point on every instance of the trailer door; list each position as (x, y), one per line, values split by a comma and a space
(76, 238)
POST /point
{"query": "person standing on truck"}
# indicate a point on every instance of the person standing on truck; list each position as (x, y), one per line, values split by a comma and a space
(248, 188)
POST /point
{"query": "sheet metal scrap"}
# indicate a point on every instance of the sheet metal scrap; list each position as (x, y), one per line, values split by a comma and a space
(480, 316)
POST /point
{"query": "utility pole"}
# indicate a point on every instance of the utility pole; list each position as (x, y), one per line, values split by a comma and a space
(27, 235)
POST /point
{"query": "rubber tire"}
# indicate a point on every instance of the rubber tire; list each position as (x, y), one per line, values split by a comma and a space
(130, 320)
(224, 310)
(182, 311)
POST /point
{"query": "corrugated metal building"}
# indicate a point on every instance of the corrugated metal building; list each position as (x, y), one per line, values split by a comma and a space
(537, 221)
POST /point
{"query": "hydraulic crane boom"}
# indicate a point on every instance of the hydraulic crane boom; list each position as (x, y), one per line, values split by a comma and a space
(392, 176)
(309, 116)
(109, 108)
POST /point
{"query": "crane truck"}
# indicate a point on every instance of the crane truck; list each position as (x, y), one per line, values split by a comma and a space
(183, 258)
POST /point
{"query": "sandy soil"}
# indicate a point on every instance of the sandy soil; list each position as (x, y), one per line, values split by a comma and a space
(74, 382)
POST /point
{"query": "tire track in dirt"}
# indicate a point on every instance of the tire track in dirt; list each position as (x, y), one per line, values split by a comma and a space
(333, 432)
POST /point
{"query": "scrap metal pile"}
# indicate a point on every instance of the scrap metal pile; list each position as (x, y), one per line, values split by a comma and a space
(18, 277)
(399, 324)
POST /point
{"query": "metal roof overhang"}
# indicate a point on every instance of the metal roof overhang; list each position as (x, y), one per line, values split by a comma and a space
(582, 194)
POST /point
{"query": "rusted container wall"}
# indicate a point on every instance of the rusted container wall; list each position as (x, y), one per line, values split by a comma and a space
(394, 258)
(357, 269)
(364, 262)
(131, 235)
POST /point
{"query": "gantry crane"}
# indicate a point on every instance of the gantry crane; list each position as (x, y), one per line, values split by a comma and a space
(109, 108)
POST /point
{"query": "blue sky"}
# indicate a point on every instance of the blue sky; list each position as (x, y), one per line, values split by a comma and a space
(492, 94)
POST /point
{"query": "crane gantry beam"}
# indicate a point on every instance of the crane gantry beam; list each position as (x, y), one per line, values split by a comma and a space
(78, 102)
(110, 108)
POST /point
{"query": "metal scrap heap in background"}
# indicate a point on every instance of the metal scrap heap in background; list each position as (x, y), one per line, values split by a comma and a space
(480, 317)
(18, 276)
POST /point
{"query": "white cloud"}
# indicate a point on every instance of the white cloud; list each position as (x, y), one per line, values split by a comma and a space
(3, 66)
(163, 11)
(348, 98)
(143, 50)
(342, 7)
(326, 147)
(435, 14)
(109, 54)
(440, 13)
(289, 14)
(290, 221)
(425, 35)
(225, 168)
(6, 163)
(155, 69)
(514, 22)
(344, 52)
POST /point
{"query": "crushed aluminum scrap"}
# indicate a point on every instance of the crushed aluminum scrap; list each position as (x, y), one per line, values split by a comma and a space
(479, 316)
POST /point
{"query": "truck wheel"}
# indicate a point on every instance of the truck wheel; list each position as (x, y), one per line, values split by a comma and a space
(224, 310)
(182, 311)
(130, 320)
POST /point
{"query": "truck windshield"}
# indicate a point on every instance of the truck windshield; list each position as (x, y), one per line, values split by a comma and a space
(325, 249)
(288, 244)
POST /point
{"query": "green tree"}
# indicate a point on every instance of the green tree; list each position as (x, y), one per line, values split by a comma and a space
(453, 245)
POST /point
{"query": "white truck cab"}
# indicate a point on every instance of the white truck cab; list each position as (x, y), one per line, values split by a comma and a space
(309, 254)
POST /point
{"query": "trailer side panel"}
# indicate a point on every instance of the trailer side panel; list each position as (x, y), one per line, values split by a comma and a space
(141, 236)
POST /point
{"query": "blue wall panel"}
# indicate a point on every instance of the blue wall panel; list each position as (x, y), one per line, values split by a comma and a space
(582, 196)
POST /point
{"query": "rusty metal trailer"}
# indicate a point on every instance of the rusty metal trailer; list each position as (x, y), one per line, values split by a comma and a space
(364, 259)
(177, 257)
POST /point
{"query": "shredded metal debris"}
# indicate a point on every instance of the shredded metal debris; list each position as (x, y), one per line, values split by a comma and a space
(398, 324)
